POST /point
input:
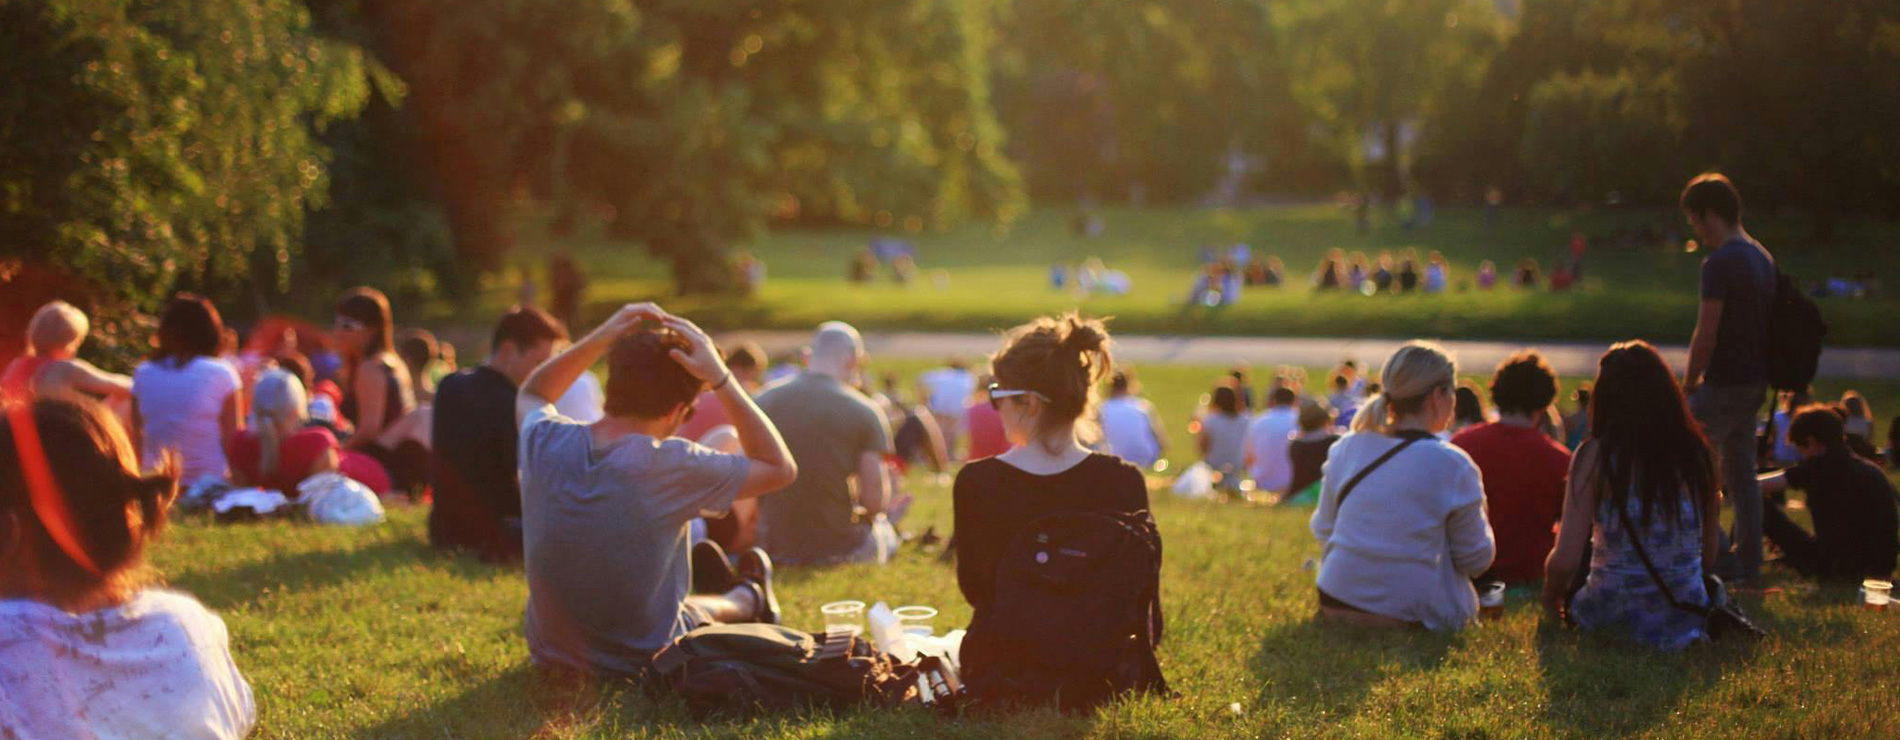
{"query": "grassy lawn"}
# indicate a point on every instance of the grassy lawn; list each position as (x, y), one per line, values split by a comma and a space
(996, 278)
(366, 633)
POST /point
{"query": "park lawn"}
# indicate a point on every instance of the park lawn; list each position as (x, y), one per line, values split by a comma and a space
(994, 278)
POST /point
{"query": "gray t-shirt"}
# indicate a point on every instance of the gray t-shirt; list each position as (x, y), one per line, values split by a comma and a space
(1741, 274)
(606, 543)
(828, 426)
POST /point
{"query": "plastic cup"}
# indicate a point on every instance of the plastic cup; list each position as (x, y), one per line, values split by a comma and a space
(917, 621)
(1491, 600)
(1876, 594)
(844, 615)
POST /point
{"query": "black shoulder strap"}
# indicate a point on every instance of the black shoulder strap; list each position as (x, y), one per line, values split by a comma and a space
(1636, 540)
(1409, 437)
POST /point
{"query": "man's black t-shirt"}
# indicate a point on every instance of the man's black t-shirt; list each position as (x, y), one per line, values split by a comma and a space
(1741, 274)
(472, 466)
(1856, 528)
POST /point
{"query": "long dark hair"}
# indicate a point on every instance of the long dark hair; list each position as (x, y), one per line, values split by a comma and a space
(190, 327)
(1647, 441)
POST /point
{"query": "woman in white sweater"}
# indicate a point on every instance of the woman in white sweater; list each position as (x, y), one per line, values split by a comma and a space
(1401, 546)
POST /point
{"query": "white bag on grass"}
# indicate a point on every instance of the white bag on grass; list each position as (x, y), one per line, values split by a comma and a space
(332, 498)
(1195, 482)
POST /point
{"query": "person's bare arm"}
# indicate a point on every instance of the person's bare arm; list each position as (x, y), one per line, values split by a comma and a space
(230, 419)
(874, 492)
(772, 465)
(1566, 557)
(323, 464)
(81, 375)
(1702, 344)
(372, 391)
(553, 377)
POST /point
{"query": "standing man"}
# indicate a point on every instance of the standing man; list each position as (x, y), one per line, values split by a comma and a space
(1727, 378)
(472, 465)
(836, 435)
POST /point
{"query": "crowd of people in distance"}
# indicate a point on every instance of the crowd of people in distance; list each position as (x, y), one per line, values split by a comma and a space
(664, 499)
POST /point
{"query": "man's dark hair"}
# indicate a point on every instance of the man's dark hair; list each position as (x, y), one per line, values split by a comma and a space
(1283, 396)
(416, 347)
(1523, 384)
(643, 380)
(746, 356)
(1712, 192)
(1818, 423)
(527, 326)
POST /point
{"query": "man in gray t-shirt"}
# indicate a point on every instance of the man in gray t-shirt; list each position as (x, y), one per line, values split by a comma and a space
(836, 435)
(606, 506)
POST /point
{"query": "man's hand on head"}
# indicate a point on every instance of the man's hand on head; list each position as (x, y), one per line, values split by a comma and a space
(700, 357)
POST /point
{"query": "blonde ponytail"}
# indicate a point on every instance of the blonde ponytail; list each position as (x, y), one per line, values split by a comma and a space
(1406, 381)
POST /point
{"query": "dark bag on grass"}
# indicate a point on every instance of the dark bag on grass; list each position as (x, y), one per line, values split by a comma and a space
(1077, 614)
(1795, 330)
(749, 667)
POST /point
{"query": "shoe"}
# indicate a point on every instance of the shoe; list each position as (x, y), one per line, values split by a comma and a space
(712, 572)
(755, 567)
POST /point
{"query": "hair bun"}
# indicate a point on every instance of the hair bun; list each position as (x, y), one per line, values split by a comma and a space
(1083, 335)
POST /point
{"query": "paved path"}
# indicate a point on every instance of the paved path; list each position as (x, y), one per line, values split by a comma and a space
(1568, 358)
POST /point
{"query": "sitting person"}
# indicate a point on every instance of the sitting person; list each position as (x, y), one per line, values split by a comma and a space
(606, 507)
(1045, 376)
(1268, 436)
(51, 365)
(1527, 272)
(984, 427)
(89, 646)
(378, 400)
(1487, 275)
(1130, 426)
(747, 363)
(1224, 438)
(1850, 498)
(1642, 487)
(1467, 409)
(418, 350)
(1405, 553)
(836, 434)
(472, 469)
(1307, 451)
(1523, 470)
(185, 399)
(1859, 427)
(279, 449)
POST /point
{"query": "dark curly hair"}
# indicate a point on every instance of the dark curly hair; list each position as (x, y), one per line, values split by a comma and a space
(1523, 384)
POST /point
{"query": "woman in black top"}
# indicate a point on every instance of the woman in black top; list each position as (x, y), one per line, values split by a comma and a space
(1046, 375)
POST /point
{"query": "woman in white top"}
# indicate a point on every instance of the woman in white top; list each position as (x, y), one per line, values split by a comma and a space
(88, 648)
(1129, 424)
(185, 400)
(1402, 546)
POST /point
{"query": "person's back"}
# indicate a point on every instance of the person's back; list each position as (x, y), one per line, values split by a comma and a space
(1741, 274)
(1852, 503)
(179, 406)
(1620, 593)
(1128, 428)
(472, 465)
(1523, 473)
(829, 427)
(1268, 437)
(1226, 435)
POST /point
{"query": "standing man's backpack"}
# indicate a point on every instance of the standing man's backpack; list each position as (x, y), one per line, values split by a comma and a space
(1077, 614)
(1795, 330)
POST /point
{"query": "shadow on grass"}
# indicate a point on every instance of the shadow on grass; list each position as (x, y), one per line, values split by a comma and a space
(241, 586)
(1301, 664)
(1606, 685)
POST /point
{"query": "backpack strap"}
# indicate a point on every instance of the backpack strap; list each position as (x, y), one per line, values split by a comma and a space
(1636, 539)
(1409, 437)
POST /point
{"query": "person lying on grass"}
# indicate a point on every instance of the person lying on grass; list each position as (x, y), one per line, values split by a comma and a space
(605, 507)
(1851, 500)
(89, 647)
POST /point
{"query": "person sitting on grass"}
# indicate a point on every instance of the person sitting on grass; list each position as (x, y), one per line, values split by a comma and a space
(1307, 451)
(51, 365)
(1467, 410)
(279, 449)
(1045, 378)
(186, 401)
(473, 471)
(1645, 479)
(1859, 426)
(378, 400)
(1851, 500)
(836, 434)
(1223, 438)
(1267, 438)
(748, 365)
(606, 507)
(1400, 520)
(1130, 426)
(89, 647)
(1523, 470)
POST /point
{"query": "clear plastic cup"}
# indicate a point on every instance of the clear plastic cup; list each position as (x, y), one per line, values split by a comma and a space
(1491, 600)
(1876, 594)
(844, 615)
(917, 621)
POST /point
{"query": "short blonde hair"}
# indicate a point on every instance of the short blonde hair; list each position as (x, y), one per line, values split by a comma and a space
(56, 326)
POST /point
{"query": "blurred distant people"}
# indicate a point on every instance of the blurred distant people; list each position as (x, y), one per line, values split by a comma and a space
(863, 267)
(983, 425)
(1577, 422)
(186, 400)
(1223, 437)
(1523, 470)
(567, 288)
(1307, 450)
(279, 449)
(1331, 274)
(1383, 276)
(1408, 274)
(1469, 409)
(1130, 427)
(946, 391)
(1856, 533)
(1858, 429)
(1527, 277)
(378, 400)
(1782, 452)
(747, 362)
(51, 365)
(418, 349)
(1268, 436)
(1487, 275)
(1437, 273)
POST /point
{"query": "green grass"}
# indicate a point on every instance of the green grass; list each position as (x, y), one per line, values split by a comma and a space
(366, 633)
(998, 278)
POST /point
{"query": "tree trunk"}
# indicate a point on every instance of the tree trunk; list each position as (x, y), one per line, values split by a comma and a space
(700, 265)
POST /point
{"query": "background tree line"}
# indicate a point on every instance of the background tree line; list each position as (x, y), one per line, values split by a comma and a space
(268, 151)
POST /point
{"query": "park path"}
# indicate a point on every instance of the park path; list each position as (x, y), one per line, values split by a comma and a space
(1571, 359)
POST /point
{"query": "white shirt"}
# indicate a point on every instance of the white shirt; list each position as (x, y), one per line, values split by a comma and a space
(156, 666)
(948, 388)
(179, 407)
(584, 401)
(1128, 429)
(1268, 438)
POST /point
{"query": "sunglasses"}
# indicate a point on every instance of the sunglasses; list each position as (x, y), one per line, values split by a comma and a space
(345, 323)
(998, 393)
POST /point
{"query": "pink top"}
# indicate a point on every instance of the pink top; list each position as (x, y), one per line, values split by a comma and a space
(987, 438)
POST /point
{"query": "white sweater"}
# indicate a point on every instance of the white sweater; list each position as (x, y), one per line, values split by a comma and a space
(1412, 535)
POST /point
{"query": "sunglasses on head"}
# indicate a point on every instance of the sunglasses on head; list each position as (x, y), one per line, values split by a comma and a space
(998, 393)
(345, 323)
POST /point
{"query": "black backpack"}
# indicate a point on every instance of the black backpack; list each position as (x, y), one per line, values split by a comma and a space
(1076, 617)
(751, 667)
(1795, 330)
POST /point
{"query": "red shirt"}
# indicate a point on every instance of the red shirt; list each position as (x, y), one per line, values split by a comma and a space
(1523, 473)
(987, 438)
(295, 455)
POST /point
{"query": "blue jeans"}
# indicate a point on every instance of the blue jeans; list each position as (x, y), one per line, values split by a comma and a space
(1729, 415)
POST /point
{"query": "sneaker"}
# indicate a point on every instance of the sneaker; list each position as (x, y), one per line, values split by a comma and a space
(756, 568)
(712, 572)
